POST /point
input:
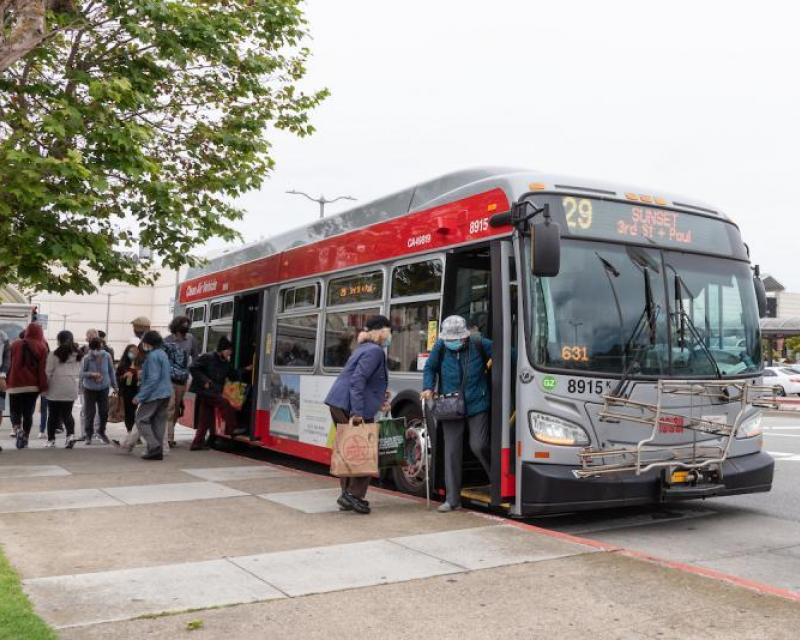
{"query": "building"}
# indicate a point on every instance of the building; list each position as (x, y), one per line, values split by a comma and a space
(780, 303)
(110, 309)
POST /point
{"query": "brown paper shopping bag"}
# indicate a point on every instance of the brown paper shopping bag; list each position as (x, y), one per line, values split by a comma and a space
(355, 450)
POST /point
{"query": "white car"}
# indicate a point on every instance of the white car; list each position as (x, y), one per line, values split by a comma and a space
(787, 379)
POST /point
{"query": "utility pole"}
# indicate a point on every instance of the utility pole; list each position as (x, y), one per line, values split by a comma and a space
(575, 326)
(64, 317)
(322, 201)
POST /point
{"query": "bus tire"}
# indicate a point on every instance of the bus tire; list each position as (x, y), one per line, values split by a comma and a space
(413, 483)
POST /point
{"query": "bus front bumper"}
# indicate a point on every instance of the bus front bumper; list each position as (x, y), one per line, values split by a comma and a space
(555, 489)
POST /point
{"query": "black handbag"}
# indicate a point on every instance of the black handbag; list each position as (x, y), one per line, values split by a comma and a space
(451, 406)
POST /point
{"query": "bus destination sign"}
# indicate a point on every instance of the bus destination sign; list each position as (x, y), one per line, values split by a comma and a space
(641, 223)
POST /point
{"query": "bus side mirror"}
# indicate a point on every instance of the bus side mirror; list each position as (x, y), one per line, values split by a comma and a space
(761, 295)
(545, 249)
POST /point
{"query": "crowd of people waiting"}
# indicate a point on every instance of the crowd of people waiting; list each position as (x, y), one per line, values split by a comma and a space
(149, 380)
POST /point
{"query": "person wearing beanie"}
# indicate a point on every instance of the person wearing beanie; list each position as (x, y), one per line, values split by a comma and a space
(358, 393)
(152, 400)
(209, 373)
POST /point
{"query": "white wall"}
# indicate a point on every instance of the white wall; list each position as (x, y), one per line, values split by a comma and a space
(89, 311)
(788, 305)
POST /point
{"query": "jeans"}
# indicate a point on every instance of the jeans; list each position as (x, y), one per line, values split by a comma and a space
(22, 408)
(355, 486)
(178, 391)
(151, 420)
(60, 412)
(95, 402)
(43, 408)
(453, 430)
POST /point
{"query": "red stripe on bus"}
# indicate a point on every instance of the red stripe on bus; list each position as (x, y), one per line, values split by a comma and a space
(450, 224)
(508, 481)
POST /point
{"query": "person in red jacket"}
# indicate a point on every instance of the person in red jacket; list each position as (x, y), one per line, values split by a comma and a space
(26, 379)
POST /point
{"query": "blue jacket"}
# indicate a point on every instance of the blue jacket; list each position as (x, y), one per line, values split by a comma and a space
(101, 364)
(360, 388)
(155, 379)
(447, 366)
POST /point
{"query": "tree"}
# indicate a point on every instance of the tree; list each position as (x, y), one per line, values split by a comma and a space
(23, 26)
(137, 123)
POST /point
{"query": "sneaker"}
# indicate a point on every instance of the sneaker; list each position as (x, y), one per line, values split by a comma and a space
(104, 438)
(172, 444)
(87, 440)
(446, 507)
(156, 455)
(20, 439)
(50, 443)
(70, 442)
(42, 435)
(14, 430)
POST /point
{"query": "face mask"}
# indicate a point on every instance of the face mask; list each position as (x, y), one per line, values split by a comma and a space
(388, 342)
(453, 345)
(184, 328)
(132, 355)
(147, 348)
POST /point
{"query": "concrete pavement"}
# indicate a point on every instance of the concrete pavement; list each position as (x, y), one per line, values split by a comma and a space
(112, 546)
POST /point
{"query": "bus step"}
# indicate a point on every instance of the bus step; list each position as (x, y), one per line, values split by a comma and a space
(480, 495)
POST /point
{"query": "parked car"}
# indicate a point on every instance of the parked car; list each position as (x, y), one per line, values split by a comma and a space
(787, 379)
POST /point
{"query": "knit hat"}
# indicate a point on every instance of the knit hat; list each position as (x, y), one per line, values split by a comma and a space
(378, 322)
(224, 344)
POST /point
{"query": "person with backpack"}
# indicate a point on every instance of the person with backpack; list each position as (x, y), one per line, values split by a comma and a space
(459, 362)
(63, 369)
(181, 349)
(97, 376)
(209, 373)
(27, 378)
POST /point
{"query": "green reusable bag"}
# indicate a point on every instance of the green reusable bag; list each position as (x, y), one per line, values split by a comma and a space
(391, 442)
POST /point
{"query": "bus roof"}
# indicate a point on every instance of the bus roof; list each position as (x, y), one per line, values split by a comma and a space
(425, 195)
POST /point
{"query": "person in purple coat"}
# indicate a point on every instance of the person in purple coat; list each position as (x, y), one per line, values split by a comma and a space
(358, 394)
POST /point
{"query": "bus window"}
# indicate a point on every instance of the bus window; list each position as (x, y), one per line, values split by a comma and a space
(297, 298)
(197, 317)
(341, 331)
(363, 287)
(216, 331)
(416, 279)
(296, 341)
(221, 310)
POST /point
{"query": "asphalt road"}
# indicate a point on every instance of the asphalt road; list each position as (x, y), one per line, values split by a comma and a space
(753, 536)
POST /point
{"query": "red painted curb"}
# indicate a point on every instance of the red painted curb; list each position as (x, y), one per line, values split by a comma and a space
(713, 574)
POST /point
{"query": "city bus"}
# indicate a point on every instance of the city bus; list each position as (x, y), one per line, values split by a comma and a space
(624, 323)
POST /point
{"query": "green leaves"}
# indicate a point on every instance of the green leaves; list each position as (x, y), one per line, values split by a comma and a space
(139, 125)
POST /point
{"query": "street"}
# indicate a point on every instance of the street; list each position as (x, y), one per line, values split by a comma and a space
(755, 536)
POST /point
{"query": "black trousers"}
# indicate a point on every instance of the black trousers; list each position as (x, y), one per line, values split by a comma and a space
(22, 406)
(95, 402)
(60, 412)
(130, 408)
(355, 486)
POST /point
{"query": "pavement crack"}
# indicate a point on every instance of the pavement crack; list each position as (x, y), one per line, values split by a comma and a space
(256, 576)
(429, 555)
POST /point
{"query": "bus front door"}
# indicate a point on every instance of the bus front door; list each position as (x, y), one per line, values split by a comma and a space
(246, 337)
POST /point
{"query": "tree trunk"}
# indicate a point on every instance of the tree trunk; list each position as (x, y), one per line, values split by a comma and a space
(26, 32)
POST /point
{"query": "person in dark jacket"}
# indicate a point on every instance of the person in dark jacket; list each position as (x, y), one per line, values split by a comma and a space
(209, 373)
(459, 362)
(128, 371)
(27, 378)
(358, 393)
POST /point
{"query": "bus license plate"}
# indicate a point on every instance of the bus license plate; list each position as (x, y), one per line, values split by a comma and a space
(679, 477)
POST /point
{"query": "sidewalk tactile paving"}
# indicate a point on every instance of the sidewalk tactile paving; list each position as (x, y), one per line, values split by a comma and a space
(178, 492)
(33, 471)
(493, 546)
(231, 474)
(55, 500)
(324, 500)
(343, 566)
(92, 598)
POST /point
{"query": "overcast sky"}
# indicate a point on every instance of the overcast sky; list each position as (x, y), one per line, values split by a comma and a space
(696, 98)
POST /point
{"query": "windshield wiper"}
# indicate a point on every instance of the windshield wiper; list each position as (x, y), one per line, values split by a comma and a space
(686, 320)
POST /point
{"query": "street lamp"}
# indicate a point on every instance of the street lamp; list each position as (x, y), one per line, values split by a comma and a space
(322, 201)
(108, 307)
(575, 326)
(64, 317)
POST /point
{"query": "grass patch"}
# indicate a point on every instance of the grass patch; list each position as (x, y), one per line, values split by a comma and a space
(17, 619)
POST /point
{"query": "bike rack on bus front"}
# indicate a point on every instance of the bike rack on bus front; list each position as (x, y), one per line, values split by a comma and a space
(646, 455)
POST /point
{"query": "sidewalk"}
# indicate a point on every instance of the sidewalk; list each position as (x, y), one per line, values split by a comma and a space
(107, 543)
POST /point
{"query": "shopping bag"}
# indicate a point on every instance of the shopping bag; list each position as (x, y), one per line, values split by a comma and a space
(391, 442)
(355, 450)
(234, 393)
(116, 408)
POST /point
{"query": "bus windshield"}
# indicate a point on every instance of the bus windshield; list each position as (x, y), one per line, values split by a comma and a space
(645, 312)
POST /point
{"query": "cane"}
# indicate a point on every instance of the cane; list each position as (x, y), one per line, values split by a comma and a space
(425, 454)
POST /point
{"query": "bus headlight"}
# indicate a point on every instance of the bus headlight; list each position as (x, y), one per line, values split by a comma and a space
(552, 430)
(750, 427)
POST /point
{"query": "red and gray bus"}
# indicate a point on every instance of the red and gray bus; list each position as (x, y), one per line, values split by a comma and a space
(625, 325)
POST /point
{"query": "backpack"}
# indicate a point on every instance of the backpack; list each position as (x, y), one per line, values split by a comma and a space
(178, 362)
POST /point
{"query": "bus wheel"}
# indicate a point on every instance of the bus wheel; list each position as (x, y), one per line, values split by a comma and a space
(410, 477)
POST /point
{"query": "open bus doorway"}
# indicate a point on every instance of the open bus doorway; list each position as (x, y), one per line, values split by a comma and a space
(246, 338)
